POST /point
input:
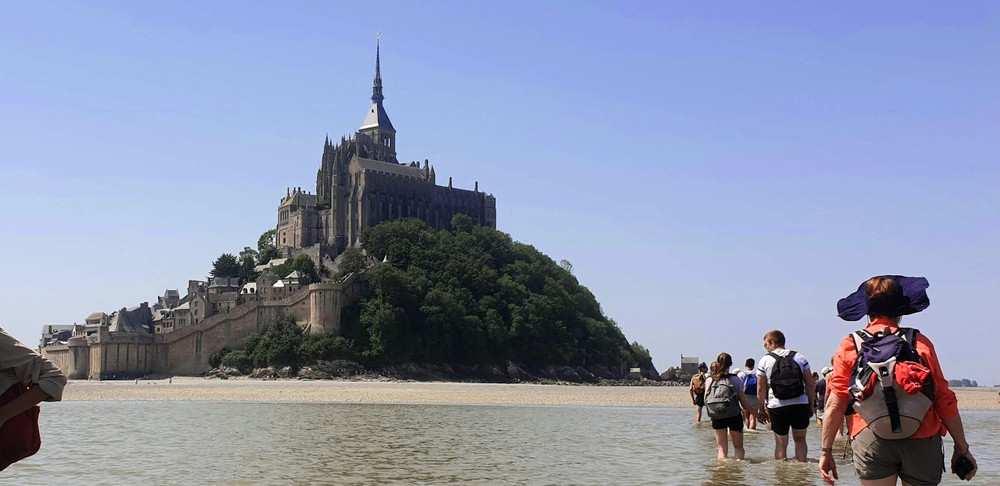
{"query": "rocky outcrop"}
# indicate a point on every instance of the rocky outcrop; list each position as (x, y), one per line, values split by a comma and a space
(264, 373)
(223, 373)
(509, 373)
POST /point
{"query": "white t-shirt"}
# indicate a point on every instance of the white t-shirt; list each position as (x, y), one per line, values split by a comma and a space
(737, 371)
(764, 367)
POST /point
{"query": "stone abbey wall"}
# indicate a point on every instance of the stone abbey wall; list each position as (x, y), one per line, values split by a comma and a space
(185, 351)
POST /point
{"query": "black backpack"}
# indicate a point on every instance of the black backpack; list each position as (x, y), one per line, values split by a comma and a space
(786, 377)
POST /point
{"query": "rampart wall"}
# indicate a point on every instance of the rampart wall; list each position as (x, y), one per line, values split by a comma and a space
(185, 351)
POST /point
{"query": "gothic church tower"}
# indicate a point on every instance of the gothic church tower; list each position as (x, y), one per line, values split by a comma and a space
(360, 183)
(377, 124)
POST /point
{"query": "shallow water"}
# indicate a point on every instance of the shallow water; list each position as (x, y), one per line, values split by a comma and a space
(152, 443)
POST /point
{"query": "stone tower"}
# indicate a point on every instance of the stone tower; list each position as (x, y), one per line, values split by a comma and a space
(360, 183)
(377, 125)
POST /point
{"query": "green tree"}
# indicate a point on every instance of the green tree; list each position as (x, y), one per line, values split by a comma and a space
(642, 358)
(352, 260)
(566, 265)
(225, 266)
(247, 262)
(305, 265)
(266, 247)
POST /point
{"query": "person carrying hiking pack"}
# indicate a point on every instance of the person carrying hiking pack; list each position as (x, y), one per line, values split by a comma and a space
(697, 390)
(820, 380)
(749, 377)
(725, 401)
(891, 378)
(787, 395)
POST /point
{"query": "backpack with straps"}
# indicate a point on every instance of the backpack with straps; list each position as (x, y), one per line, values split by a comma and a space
(698, 383)
(722, 399)
(786, 377)
(750, 383)
(891, 387)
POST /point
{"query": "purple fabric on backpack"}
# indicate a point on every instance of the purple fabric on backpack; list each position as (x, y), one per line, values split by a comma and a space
(855, 306)
(882, 348)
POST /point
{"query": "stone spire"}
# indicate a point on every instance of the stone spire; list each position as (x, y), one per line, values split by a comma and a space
(377, 124)
(377, 85)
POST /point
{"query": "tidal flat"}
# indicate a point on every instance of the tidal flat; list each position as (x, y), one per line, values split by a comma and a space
(409, 392)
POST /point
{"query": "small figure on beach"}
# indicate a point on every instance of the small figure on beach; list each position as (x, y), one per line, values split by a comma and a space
(880, 371)
(820, 396)
(697, 390)
(787, 395)
(726, 402)
(749, 378)
(26, 378)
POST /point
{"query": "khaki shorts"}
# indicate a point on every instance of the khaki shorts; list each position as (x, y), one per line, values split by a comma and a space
(919, 462)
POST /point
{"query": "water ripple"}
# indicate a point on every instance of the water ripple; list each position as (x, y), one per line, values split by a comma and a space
(244, 444)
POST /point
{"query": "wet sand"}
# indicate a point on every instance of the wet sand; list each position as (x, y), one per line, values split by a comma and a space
(335, 391)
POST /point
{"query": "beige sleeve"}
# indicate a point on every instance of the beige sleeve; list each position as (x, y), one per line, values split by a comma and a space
(30, 368)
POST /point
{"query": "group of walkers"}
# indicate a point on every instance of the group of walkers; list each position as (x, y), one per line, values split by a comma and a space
(780, 392)
(885, 381)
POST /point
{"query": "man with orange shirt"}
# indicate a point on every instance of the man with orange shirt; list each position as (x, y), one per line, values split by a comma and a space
(918, 459)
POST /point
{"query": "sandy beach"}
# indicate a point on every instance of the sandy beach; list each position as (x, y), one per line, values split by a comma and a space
(334, 391)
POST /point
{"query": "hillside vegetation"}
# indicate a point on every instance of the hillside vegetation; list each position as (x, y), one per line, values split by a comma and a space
(466, 296)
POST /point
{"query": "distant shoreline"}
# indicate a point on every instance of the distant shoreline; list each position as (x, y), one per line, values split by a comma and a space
(408, 392)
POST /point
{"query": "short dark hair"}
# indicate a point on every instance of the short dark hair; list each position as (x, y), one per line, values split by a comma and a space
(750, 362)
(775, 336)
(885, 296)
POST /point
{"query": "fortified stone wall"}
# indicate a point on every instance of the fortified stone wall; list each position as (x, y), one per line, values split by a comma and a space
(185, 351)
(59, 355)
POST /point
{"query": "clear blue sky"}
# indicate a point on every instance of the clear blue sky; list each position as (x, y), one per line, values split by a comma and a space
(711, 171)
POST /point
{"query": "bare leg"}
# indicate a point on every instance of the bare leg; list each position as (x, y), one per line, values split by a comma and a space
(752, 421)
(801, 448)
(698, 417)
(723, 443)
(780, 447)
(738, 451)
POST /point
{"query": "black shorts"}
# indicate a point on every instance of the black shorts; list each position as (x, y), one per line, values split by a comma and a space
(734, 424)
(795, 416)
(699, 399)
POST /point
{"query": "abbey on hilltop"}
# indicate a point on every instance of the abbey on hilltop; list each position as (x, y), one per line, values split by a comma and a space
(360, 183)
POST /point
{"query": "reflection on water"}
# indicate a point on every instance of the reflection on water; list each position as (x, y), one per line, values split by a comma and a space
(88, 443)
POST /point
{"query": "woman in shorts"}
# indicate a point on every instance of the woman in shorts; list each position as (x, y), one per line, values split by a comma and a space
(734, 425)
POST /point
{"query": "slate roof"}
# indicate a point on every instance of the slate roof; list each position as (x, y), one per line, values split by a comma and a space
(377, 117)
(389, 167)
(126, 322)
(224, 282)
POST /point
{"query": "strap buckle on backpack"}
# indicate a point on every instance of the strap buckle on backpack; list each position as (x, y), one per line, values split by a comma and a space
(885, 378)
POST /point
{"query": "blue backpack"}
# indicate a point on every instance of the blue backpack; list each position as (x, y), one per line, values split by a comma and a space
(750, 383)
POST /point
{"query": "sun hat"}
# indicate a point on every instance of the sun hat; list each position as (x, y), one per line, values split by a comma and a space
(912, 299)
(825, 370)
